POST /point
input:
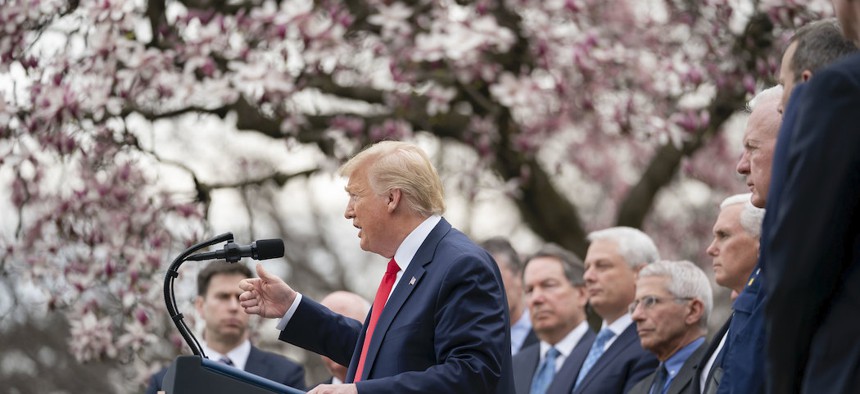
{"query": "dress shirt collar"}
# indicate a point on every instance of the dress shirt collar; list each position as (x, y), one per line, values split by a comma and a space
(565, 345)
(520, 330)
(239, 354)
(407, 249)
(676, 361)
(617, 327)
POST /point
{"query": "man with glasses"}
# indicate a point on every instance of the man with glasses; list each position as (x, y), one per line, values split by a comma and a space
(671, 309)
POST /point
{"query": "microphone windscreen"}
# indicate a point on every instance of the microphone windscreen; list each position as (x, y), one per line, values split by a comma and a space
(270, 249)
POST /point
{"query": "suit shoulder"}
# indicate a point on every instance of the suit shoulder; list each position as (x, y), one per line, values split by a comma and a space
(275, 358)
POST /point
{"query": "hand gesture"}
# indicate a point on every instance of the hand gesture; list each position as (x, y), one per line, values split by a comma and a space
(267, 295)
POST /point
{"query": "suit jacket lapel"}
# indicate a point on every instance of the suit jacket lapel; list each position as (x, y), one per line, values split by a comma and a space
(408, 282)
(618, 346)
(689, 371)
(527, 368)
(566, 376)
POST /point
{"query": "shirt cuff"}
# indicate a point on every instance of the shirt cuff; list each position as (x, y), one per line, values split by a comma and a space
(289, 315)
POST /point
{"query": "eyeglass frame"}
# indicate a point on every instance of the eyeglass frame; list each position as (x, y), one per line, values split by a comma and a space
(653, 300)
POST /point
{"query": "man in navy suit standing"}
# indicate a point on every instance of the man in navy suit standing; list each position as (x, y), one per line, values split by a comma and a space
(814, 244)
(555, 293)
(616, 360)
(225, 334)
(439, 321)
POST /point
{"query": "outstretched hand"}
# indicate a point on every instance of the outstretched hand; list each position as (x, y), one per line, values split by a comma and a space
(267, 295)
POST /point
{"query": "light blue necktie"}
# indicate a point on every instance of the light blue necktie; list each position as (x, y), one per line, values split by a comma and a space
(594, 354)
(545, 372)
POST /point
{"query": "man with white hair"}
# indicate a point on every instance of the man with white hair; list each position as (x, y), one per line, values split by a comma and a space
(735, 251)
(742, 357)
(616, 360)
(671, 309)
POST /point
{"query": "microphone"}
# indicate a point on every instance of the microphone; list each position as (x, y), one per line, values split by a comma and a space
(263, 249)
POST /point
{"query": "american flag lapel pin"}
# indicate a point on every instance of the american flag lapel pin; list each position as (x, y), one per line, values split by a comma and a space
(412, 281)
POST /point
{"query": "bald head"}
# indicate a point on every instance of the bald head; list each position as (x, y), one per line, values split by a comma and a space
(348, 304)
(352, 306)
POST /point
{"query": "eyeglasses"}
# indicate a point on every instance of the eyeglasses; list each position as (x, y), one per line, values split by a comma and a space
(649, 301)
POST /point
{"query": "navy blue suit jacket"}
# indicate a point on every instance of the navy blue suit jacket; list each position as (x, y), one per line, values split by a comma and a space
(527, 360)
(620, 367)
(261, 363)
(445, 328)
(743, 362)
(815, 242)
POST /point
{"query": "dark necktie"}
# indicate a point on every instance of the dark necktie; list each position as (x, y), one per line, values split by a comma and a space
(660, 379)
(226, 360)
(378, 304)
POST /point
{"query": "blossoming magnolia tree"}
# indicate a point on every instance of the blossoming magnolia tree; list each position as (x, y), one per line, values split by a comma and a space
(619, 95)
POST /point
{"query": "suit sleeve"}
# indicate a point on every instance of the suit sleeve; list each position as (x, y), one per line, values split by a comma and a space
(316, 328)
(470, 336)
(819, 204)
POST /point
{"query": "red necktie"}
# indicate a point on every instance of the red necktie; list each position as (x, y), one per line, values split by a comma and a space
(378, 305)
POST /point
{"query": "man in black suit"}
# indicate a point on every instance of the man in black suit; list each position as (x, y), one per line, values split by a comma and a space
(511, 267)
(814, 247)
(616, 360)
(225, 335)
(555, 294)
(671, 309)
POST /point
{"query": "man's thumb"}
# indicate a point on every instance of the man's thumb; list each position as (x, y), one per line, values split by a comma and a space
(263, 274)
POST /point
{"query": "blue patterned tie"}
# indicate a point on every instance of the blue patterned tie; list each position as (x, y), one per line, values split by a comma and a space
(594, 354)
(226, 360)
(545, 372)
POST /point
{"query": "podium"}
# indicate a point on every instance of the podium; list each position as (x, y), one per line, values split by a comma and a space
(195, 374)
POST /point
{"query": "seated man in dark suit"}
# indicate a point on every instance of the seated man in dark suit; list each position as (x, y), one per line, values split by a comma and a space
(555, 293)
(673, 302)
(616, 360)
(225, 335)
(511, 267)
(352, 306)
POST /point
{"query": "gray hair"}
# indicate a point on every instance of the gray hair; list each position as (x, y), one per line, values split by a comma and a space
(634, 246)
(501, 247)
(771, 94)
(751, 216)
(819, 44)
(571, 264)
(686, 280)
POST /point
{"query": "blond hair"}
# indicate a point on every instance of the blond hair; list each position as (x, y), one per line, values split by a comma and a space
(405, 166)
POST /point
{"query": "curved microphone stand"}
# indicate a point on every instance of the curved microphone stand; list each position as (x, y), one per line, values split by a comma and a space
(170, 298)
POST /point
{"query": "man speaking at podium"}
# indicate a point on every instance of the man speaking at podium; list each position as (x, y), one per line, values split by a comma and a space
(439, 321)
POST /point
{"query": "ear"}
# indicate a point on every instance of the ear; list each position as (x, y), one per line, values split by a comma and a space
(198, 305)
(394, 196)
(805, 75)
(697, 310)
